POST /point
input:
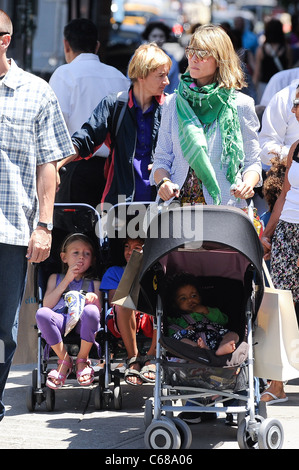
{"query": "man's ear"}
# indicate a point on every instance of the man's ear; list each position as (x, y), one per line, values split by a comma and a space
(5, 40)
(97, 47)
(67, 46)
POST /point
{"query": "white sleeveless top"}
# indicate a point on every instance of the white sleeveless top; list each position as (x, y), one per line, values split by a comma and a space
(290, 211)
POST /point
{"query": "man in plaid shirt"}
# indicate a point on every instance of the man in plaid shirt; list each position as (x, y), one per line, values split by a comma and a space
(33, 136)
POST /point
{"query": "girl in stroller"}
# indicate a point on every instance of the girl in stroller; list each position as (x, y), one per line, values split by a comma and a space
(78, 257)
(197, 324)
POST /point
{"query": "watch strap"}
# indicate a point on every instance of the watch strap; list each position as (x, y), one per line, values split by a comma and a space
(163, 180)
(48, 225)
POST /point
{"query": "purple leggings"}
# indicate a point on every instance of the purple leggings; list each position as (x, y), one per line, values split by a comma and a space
(52, 324)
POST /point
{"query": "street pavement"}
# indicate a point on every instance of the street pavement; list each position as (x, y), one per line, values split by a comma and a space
(75, 423)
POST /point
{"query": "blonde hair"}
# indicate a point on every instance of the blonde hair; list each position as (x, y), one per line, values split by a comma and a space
(216, 41)
(147, 59)
(5, 22)
(73, 237)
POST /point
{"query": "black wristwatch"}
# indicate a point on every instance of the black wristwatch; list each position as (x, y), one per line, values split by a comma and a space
(48, 226)
(163, 180)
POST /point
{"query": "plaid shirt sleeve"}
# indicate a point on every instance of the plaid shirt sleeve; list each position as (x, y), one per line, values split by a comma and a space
(32, 132)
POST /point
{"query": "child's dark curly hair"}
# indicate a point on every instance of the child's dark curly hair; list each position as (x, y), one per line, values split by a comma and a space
(274, 181)
(172, 284)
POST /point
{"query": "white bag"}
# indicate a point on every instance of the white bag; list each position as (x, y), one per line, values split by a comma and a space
(276, 338)
(75, 301)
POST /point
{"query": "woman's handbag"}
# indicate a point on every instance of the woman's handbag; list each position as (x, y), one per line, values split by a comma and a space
(276, 338)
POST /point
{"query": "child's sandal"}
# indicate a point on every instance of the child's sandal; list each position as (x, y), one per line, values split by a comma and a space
(55, 375)
(86, 371)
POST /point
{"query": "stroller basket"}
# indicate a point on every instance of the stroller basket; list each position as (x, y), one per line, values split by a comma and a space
(200, 376)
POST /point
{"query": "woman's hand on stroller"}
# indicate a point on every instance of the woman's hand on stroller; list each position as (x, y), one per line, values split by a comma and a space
(266, 242)
(168, 190)
(243, 190)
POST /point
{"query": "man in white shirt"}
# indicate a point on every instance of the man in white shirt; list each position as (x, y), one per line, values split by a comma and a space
(80, 85)
(279, 126)
(277, 82)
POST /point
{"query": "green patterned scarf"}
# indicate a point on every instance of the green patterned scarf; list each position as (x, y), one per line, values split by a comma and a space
(202, 106)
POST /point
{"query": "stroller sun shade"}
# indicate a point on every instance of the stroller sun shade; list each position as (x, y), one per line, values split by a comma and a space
(205, 241)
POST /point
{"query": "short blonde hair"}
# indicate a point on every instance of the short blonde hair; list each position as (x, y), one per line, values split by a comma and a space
(216, 41)
(147, 59)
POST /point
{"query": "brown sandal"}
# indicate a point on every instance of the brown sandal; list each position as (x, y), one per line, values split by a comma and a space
(133, 372)
(150, 368)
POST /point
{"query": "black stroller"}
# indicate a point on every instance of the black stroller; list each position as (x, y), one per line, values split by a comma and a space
(68, 218)
(114, 231)
(221, 247)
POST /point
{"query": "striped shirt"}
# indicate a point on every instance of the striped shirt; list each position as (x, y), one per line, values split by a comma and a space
(32, 132)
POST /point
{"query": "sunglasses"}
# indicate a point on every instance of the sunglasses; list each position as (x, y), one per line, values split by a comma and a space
(295, 103)
(3, 34)
(190, 52)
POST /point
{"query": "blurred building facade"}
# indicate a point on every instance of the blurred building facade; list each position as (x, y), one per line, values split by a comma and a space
(37, 42)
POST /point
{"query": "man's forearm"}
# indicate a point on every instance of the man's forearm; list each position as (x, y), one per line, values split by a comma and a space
(46, 190)
(68, 159)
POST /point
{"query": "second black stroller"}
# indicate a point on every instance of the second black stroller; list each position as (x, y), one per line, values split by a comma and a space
(121, 219)
(68, 218)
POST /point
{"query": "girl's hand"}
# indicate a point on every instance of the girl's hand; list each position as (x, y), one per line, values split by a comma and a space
(72, 272)
(92, 298)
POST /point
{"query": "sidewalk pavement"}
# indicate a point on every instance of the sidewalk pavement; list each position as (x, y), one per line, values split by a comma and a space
(76, 424)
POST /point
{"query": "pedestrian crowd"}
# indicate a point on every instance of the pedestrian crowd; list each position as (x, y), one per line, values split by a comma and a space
(191, 132)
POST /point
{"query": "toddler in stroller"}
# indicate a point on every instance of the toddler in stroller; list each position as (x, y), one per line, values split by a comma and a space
(78, 258)
(195, 323)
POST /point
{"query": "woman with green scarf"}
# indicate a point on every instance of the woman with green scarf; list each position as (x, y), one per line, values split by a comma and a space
(208, 150)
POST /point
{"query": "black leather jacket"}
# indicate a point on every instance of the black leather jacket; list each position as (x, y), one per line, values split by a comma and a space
(99, 129)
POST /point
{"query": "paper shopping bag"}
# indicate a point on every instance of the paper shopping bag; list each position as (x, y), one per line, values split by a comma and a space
(127, 292)
(276, 338)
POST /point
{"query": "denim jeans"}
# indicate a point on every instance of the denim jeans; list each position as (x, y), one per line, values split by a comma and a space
(13, 270)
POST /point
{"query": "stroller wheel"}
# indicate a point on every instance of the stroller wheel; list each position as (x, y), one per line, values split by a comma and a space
(98, 398)
(50, 399)
(117, 397)
(270, 434)
(162, 434)
(34, 378)
(246, 439)
(30, 399)
(148, 412)
(185, 432)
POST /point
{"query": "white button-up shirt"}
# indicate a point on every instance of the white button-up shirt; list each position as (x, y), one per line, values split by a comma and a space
(280, 128)
(82, 84)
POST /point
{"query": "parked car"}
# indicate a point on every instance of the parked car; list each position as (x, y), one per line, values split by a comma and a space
(173, 21)
(123, 41)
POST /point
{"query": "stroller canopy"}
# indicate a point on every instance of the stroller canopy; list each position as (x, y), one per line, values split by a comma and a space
(202, 240)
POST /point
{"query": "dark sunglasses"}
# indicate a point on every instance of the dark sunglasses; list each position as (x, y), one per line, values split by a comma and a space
(191, 51)
(3, 34)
